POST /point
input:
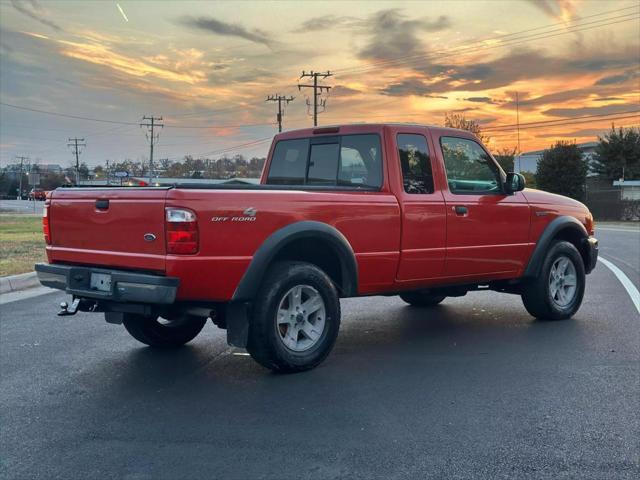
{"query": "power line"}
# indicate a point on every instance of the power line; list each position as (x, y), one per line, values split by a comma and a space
(151, 124)
(480, 44)
(468, 50)
(243, 125)
(91, 119)
(568, 122)
(317, 91)
(279, 99)
(555, 26)
(76, 117)
(76, 144)
(235, 147)
(548, 122)
(228, 149)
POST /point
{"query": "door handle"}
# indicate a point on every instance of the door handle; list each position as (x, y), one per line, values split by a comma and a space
(461, 210)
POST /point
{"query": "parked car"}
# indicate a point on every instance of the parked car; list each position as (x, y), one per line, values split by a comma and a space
(37, 194)
(420, 212)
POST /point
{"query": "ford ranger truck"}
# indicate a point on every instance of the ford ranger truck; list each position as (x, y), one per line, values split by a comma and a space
(416, 211)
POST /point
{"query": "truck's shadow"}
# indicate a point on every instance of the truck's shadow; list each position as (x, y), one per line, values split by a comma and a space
(384, 339)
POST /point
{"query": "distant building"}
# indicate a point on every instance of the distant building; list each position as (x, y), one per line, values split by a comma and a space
(528, 161)
(630, 189)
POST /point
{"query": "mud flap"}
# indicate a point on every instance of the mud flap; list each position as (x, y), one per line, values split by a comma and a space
(237, 317)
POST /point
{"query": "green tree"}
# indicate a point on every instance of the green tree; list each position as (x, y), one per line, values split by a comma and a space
(505, 157)
(562, 170)
(618, 154)
(83, 170)
(52, 181)
(530, 179)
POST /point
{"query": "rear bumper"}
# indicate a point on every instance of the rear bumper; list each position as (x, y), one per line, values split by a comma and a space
(125, 286)
(591, 247)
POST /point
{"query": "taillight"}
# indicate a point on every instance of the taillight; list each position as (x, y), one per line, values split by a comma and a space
(182, 231)
(46, 228)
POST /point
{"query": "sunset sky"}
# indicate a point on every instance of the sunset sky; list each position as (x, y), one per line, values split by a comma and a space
(207, 67)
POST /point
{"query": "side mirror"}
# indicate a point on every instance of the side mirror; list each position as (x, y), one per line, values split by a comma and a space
(514, 183)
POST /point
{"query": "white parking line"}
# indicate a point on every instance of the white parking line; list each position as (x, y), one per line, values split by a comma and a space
(624, 280)
(613, 229)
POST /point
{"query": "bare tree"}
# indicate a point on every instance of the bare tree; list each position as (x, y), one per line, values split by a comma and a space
(458, 120)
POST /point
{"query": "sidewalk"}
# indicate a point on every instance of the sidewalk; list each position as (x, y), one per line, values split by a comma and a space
(14, 283)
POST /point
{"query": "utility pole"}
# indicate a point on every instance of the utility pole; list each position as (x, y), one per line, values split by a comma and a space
(151, 124)
(518, 128)
(317, 91)
(76, 143)
(279, 99)
(22, 159)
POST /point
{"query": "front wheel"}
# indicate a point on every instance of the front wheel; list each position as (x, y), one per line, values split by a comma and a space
(556, 294)
(157, 332)
(296, 318)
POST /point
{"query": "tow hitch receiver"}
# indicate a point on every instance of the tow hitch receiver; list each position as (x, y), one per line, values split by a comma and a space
(66, 310)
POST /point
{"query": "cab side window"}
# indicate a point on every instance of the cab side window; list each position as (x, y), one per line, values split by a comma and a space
(417, 176)
(470, 169)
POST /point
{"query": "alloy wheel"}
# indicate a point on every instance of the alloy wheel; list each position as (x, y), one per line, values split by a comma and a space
(301, 318)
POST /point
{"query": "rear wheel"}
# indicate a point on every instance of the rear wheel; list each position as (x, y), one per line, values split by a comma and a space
(296, 318)
(158, 332)
(556, 294)
(421, 299)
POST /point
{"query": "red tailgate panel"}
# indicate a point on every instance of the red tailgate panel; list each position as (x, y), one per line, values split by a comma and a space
(114, 236)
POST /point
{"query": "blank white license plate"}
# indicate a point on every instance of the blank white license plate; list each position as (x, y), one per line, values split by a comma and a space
(101, 282)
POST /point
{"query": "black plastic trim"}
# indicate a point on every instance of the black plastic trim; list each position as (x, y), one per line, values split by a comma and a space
(250, 282)
(125, 286)
(591, 246)
(556, 226)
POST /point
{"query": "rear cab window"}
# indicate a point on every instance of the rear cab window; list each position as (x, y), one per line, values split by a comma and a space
(337, 161)
(417, 175)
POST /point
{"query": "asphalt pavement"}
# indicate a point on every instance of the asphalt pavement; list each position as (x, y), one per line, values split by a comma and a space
(474, 388)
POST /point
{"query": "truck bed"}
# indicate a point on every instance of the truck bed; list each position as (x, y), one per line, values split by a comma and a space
(84, 234)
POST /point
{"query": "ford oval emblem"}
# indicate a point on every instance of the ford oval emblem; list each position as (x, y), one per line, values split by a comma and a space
(149, 237)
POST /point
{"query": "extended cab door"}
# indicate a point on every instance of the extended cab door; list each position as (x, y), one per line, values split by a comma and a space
(487, 230)
(422, 250)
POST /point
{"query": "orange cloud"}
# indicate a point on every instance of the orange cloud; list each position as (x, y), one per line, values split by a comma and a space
(102, 55)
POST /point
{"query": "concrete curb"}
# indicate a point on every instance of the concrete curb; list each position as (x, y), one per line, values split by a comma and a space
(13, 283)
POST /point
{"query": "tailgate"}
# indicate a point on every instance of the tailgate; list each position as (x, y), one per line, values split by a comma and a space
(111, 227)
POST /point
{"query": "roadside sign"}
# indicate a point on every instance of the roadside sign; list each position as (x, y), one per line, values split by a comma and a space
(121, 174)
(34, 179)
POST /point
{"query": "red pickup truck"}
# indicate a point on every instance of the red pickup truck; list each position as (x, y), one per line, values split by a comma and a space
(420, 212)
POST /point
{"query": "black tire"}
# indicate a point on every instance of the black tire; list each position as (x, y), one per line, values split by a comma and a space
(150, 331)
(537, 294)
(420, 299)
(265, 342)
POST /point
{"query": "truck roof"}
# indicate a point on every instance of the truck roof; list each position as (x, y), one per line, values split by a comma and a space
(363, 128)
